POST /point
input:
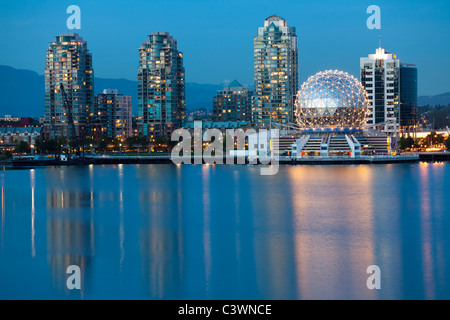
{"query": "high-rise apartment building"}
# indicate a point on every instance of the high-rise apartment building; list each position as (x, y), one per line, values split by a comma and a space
(113, 112)
(392, 91)
(68, 63)
(276, 72)
(233, 103)
(161, 86)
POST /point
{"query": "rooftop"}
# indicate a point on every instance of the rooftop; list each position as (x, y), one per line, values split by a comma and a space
(275, 20)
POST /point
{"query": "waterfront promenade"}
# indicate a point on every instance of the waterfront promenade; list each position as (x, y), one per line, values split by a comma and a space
(167, 159)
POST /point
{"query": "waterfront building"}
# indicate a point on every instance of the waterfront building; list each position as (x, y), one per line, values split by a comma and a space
(392, 91)
(10, 136)
(233, 103)
(275, 72)
(331, 112)
(332, 100)
(68, 63)
(113, 113)
(161, 86)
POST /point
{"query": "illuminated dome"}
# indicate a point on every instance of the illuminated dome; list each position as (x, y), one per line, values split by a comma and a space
(331, 99)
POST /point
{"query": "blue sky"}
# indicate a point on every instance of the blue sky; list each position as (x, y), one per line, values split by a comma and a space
(216, 36)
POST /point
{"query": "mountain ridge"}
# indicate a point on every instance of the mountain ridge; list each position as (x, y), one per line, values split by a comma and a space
(22, 93)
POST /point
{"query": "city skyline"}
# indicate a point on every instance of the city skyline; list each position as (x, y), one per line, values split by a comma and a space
(321, 46)
(224, 150)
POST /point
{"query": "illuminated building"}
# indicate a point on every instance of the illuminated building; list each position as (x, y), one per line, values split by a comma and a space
(161, 86)
(113, 114)
(68, 63)
(276, 72)
(10, 121)
(10, 136)
(233, 103)
(392, 91)
(331, 111)
(331, 99)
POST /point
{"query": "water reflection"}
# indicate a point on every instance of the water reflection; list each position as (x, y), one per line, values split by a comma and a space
(70, 230)
(226, 232)
(272, 239)
(206, 206)
(33, 212)
(69, 241)
(121, 222)
(333, 220)
(3, 212)
(161, 236)
(432, 220)
(69, 199)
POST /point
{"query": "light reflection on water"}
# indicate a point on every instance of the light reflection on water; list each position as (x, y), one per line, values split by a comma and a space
(226, 232)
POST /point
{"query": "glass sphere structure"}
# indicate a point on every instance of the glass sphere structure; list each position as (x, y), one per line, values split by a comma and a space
(331, 99)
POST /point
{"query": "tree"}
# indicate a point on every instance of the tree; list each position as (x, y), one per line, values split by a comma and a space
(131, 142)
(117, 143)
(433, 138)
(447, 143)
(87, 142)
(406, 143)
(144, 142)
(49, 145)
(102, 142)
(160, 144)
(23, 147)
(410, 142)
(38, 144)
(402, 143)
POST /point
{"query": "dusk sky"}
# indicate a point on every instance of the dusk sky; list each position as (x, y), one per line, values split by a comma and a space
(216, 37)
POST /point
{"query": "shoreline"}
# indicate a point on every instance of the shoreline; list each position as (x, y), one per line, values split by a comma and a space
(282, 160)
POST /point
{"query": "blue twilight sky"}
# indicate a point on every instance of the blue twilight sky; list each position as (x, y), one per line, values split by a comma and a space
(216, 36)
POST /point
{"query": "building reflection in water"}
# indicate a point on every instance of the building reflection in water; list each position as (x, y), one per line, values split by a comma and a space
(3, 212)
(226, 232)
(411, 228)
(121, 218)
(433, 229)
(70, 229)
(427, 230)
(239, 238)
(161, 235)
(333, 222)
(273, 240)
(33, 212)
(207, 222)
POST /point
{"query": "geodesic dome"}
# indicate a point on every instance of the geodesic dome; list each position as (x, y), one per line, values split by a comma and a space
(331, 98)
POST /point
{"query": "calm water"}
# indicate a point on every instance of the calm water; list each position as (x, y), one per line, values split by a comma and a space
(226, 232)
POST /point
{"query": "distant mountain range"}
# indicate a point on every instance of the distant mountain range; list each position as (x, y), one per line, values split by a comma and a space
(22, 93)
(440, 99)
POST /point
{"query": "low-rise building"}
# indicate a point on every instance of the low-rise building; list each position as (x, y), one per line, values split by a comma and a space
(10, 136)
(17, 122)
